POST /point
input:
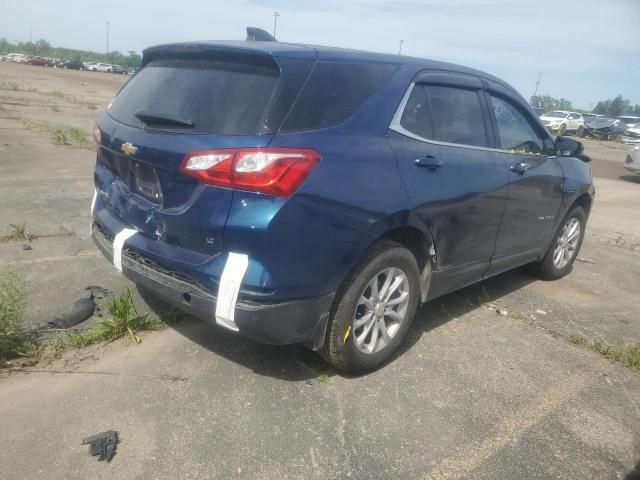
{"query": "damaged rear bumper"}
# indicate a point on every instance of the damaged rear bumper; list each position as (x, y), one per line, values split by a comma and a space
(301, 321)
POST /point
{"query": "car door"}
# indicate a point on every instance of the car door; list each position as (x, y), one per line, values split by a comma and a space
(574, 121)
(456, 183)
(535, 182)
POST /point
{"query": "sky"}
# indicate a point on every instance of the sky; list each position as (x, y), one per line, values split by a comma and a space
(585, 50)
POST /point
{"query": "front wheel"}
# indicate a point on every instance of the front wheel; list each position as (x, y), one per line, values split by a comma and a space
(580, 131)
(565, 246)
(373, 309)
(562, 130)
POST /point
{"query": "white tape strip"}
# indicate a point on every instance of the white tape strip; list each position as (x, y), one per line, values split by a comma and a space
(93, 206)
(118, 243)
(230, 282)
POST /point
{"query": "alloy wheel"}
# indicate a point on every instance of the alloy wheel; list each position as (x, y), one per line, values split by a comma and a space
(567, 243)
(381, 310)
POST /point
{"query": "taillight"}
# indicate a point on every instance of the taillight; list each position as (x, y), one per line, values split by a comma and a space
(97, 135)
(275, 171)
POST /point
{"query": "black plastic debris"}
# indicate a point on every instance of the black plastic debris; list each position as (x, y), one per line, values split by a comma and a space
(26, 246)
(80, 311)
(102, 444)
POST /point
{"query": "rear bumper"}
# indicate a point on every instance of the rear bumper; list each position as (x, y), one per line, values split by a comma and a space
(279, 323)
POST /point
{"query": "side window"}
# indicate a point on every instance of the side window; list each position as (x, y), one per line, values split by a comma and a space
(416, 117)
(515, 132)
(446, 114)
(574, 116)
(334, 92)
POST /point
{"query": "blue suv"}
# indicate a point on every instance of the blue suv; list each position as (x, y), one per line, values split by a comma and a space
(315, 195)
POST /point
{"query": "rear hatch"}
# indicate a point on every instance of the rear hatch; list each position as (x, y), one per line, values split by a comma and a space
(188, 98)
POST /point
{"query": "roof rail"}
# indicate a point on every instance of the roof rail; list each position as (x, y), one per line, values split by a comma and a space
(258, 35)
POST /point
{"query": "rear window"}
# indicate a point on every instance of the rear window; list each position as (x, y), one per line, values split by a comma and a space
(216, 97)
(334, 92)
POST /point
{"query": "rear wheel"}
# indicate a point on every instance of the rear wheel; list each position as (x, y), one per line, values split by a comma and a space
(580, 131)
(374, 309)
(562, 130)
(565, 246)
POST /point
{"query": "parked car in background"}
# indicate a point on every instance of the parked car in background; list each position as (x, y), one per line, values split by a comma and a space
(38, 61)
(603, 128)
(561, 122)
(73, 65)
(629, 120)
(104, 67)
(632, 162)
(118, 69)
(131, 71)
(16, 57)
(631, 135)
(90, 66)
(318, 195)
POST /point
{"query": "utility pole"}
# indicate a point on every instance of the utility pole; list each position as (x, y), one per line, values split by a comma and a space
(30, 34)
(535, 94)
(276, 14)
(108, 25)
(400, 48)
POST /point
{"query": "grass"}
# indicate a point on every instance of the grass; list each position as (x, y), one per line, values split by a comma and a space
(324, 378)
(13, 298)
(627, 354)
(70, 136)
(4, 85)
(18, 232)
(59, 137)
(124, 321)
(92, 106)
(56, 108)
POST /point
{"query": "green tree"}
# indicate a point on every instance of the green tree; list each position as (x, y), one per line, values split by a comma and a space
(615, 107)
(548, 103)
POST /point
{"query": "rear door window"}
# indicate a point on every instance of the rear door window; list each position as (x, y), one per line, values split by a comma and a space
(334, 92)
(446, 114)
(515, 131)
(216, 97)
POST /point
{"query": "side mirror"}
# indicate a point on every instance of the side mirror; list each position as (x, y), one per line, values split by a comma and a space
(568, 147)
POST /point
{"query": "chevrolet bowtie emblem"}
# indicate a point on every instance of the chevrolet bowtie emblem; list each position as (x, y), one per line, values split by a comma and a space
(128, 149)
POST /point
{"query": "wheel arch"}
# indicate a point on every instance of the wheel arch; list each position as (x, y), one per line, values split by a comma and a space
(411, 234)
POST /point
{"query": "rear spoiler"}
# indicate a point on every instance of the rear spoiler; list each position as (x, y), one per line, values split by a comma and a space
(258, 35)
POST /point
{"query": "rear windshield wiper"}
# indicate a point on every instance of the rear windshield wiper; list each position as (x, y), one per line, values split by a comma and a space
(161, 119)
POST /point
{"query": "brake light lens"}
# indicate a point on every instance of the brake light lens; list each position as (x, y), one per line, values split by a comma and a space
(274, 171)
(97, 135)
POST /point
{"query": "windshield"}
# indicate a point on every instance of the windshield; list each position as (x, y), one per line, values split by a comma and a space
(555, 114)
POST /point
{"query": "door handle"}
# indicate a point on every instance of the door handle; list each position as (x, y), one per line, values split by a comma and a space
(520, 167)
(429, 162)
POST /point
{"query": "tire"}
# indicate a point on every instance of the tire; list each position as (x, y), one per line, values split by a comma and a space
(552, 268)
(580, 131)
(386, 260)
(562, 130)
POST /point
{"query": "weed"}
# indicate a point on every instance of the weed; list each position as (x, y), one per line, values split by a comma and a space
(60, 137)
(57, 94)
(18, 232)
(627, 354)
(92, 106)
(55, 108)
(577, 339)
(78, 136)
(13, 298)
(125, 320)
(9, 86)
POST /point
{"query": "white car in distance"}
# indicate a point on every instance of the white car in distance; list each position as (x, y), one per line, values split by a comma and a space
(562, 121)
